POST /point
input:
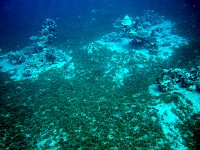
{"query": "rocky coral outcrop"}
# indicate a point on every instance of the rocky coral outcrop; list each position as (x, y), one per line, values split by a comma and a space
(36, 57)
(140, 30)
(48, 33)
(127, 22)
(172, 79)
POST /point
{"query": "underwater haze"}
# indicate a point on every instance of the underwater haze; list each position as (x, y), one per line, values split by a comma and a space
(21, 19)
(107, 74)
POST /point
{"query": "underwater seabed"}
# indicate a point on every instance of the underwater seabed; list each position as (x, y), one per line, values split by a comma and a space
(111, 94)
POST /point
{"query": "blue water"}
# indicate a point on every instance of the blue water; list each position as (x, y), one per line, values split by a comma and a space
(21, 19)
(99, 104)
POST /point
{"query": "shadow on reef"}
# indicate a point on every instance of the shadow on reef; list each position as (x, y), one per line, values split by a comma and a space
(189, 27)
(187, 56)
(196, 130)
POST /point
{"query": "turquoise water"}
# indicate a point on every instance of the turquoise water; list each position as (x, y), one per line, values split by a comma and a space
(99, 75)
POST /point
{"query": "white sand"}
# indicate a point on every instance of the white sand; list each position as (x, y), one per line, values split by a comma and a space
(169, 119)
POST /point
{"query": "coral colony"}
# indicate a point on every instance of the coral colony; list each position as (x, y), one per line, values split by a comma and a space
(173, 79)
(37, 57)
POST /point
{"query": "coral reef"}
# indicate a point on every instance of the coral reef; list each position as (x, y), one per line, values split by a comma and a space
(173, 79)
(16, 57)
(149, 34)
(36, 57)
(113, 37)
(104, 103)
(48, 33)
(140, 32)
